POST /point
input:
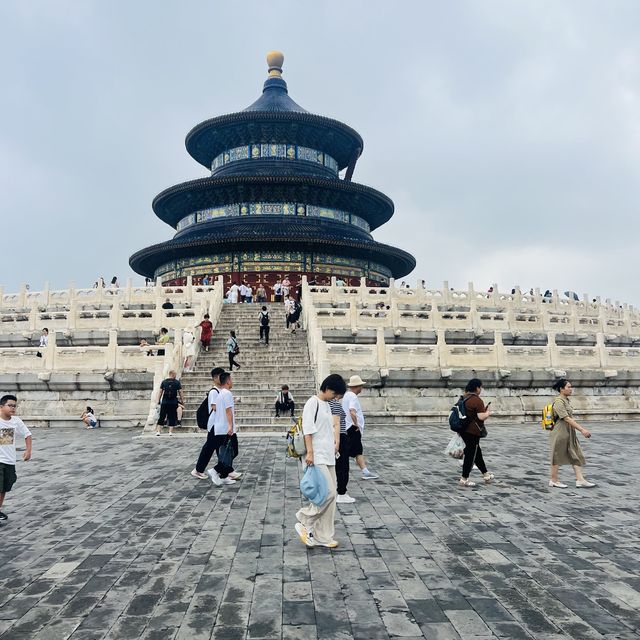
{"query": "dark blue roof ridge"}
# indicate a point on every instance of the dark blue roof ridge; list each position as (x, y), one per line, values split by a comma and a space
(275, 97)
(210, 137)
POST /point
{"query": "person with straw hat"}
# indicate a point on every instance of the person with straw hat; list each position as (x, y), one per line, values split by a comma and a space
(355, 424)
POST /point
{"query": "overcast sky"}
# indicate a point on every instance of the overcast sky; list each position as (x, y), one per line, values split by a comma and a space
(506, 132)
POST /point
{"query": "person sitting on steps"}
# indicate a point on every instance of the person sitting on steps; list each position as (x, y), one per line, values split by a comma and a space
(284, 401)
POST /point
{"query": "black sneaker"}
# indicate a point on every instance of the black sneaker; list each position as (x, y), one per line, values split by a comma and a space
(3, 516)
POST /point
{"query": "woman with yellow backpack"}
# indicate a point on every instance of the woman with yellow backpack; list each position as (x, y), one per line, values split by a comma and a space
(565, 448)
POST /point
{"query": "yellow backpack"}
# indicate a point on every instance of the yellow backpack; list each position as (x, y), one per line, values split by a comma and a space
(295, 440)
(548, 418)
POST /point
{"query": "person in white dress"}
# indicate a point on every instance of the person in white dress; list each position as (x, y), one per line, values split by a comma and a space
(189, 348)
(234, 292)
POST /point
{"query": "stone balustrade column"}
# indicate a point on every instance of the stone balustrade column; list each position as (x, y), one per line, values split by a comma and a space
(49, 352)
(22, 295)
(394, 312)
(441, 347)
(333, 289)
(501, 355)
(474, 316)
(115, 314)
(554, 353)
(1, 297)
(601, 350)
(72, 294)
(494, 294)
(363, 290)
(575, 321)
(128, 292)
(34, 314)
(189, 289)
(471, 294)
(45, 295)
(72, 314)
(353, 317)
(446, 294)
(112, 350)
(381, 348)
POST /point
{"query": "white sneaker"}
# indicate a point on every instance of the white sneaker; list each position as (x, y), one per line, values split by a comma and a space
(157, 433)
(585, 484)
(197, 474)
(558, 485)
(345, 499)
(235, 475)
(306, 537)
(215, 478)
(369, 475)
(227, 481)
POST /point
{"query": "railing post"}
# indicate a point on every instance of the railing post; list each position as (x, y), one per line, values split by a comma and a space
(49, 352)
(46, 295)
(128, 292)
(353, 316)
(381, 348)
(22, 296)
(112, 350)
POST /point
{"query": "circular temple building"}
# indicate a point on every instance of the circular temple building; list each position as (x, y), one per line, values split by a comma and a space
(275, 204)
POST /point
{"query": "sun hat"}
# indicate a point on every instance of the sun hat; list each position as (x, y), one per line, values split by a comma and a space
(355, 381)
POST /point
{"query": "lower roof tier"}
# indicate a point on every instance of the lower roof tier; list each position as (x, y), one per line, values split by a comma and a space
(317, 236)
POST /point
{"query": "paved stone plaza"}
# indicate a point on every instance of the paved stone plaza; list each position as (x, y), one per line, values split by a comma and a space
(110, 537)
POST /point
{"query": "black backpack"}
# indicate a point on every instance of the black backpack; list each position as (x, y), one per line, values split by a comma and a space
(264, 318)
(458, 420)
(203, 412)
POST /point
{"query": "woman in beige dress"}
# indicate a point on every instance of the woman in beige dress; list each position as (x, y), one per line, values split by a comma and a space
(565, 448)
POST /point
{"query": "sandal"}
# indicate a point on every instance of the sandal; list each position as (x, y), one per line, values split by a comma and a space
(488, 477)
(466, 482)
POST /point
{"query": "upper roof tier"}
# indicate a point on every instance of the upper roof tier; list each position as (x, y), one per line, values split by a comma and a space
(273, 118)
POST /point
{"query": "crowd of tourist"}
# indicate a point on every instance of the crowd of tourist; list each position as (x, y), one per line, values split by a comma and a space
(332, 421)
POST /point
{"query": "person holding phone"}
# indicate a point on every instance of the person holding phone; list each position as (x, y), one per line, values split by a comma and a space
(565, 448)
(477, 413)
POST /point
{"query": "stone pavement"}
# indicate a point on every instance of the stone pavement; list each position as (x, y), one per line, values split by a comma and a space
(110, 537)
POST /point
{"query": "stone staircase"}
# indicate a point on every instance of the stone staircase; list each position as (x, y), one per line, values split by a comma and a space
(264, 369)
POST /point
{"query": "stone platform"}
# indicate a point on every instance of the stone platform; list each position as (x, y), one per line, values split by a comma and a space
(110, 537)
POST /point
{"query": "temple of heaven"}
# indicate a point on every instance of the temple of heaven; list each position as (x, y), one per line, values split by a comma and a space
(275, 204)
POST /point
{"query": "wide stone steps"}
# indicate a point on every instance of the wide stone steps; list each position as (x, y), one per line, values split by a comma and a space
(264, 369)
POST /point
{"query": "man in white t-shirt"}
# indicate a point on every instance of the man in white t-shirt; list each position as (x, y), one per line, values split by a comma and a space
(210, 444)
(315, 524)
(354, 423)
(10, 427)
(224, 428)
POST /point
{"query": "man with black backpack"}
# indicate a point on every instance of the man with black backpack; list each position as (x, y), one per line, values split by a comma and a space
(210, 445)
(264, 325)
(170, 392)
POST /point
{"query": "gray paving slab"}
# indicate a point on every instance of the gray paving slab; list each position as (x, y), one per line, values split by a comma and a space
(121, 542)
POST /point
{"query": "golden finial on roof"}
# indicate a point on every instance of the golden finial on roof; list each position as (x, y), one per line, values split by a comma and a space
(275, 60)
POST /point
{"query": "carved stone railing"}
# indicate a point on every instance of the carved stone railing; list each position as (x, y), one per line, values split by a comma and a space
(385, 327)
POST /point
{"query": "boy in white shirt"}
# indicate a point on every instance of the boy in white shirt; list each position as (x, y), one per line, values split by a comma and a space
(210, 444)
(10, 426)
(224, 427)
(315, 524)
